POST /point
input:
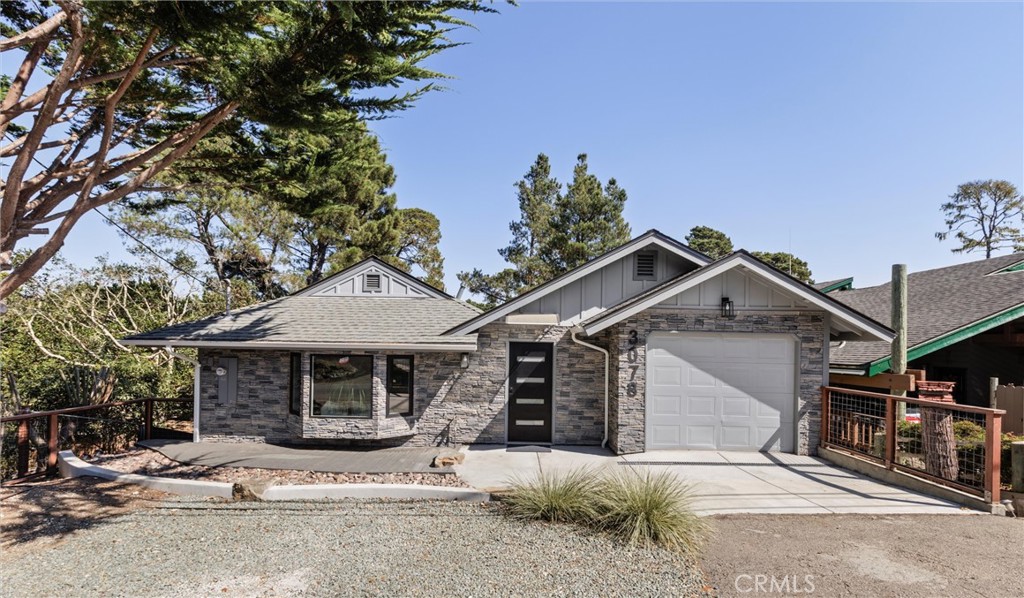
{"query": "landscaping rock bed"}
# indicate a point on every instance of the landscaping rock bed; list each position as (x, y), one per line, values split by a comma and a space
(147, 462)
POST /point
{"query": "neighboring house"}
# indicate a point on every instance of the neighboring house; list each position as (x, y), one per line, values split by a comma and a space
(965, 325)
(649, 346)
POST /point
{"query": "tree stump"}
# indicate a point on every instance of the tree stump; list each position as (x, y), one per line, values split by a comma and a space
(939, 443)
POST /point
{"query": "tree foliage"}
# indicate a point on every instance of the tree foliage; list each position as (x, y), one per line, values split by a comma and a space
(985, 216)
(306, 205)
(68, 320)
(555, 232)
(135, 86)
(787, 262)
(712, 243)
(716, 244)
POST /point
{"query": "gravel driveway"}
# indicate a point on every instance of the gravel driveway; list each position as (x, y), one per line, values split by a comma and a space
(338, 549)
(862, 555)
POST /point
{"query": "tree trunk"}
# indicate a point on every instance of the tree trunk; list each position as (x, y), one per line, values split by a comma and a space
(939, 443)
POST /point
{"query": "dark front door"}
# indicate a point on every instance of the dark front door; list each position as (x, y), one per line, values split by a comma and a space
(530, 370)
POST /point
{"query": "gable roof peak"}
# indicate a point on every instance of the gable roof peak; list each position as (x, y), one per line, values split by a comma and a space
(372, 261)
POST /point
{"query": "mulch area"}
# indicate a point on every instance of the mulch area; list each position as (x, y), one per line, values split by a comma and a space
(148, 462)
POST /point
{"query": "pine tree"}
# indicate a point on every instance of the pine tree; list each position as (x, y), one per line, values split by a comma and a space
(712, 243)
(587, 220)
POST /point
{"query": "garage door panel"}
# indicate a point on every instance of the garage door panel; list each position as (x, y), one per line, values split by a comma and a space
(698, 437)
(735, 437)
(667, 375)
(667, 405)
(736, 407)
(666, 436)
(701, 406)
(726, 391)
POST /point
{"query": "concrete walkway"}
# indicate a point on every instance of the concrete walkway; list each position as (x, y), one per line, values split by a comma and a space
(723, 482)
(269, 456)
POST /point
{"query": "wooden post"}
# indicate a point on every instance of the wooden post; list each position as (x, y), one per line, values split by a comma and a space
(898, 359)
(52, 445)
(890, 432)
(993, 456)
(993, 386)
(1017, 466)
(824, 417)
(147, 433)
(22, 440)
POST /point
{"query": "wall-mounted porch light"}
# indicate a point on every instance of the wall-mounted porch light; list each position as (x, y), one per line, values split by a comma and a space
(728, 308)
(464, 363)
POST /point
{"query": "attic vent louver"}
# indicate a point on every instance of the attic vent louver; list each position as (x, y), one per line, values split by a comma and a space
(644, 265)
(371, 282)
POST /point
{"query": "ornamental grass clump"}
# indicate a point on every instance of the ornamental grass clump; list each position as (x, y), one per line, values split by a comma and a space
(554, 496)
(648, 508)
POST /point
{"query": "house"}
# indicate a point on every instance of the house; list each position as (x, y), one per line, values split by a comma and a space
(651, 345)
(965, 325)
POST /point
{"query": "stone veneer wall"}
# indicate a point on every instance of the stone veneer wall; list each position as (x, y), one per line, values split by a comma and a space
(259, 412)
(451, 405)
(626, 418)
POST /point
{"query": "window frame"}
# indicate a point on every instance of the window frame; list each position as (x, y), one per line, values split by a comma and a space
(295, 383)
(312, 383)
(411, 388)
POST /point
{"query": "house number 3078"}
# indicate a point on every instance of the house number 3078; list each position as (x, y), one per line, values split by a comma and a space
(632, 356)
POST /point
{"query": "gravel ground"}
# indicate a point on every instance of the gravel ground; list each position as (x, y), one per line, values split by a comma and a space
(861, 555)
(197, 548)
(147, 462)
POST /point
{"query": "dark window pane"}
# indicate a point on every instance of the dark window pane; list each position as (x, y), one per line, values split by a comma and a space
(399, 385)
(295, 389)
(342, 385)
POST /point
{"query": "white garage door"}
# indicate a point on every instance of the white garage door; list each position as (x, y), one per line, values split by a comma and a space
(721, 391)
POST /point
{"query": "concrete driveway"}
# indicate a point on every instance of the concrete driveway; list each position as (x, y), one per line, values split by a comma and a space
(723, 482)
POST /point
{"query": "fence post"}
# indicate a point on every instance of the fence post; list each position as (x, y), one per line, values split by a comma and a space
(993, 386)
(824, 417)
(52, 444)
(22, 440)
(147, 433)
(993, 456)
(890, 432)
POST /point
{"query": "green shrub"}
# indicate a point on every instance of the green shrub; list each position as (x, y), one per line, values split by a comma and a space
(647, 508)
(965, 430)
(908, 430)
(554, 496)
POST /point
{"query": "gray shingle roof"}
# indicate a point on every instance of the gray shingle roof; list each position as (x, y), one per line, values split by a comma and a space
(938, 302)
(327, 321)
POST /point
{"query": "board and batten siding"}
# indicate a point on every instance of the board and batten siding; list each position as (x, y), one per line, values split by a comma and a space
(605, 288)
(744, 290)
(355, 285)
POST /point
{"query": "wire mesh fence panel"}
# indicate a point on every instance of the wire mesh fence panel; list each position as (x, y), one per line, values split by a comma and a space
(856, 423)
(946, 443)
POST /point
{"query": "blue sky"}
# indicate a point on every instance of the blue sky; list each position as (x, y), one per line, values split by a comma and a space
(833, 130)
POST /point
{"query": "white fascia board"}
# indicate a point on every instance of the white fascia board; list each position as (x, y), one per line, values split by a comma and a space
(837, 310)
(557, 283)
(468, 345)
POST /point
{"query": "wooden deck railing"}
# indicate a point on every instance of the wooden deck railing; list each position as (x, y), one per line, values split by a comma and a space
(953, 445)
(24, 421)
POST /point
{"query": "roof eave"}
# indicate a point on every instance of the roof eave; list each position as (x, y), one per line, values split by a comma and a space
(459, 347)
(651, 236)
(952, 337)
(824, 302)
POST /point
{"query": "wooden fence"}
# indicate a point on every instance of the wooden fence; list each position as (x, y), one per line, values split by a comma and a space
(53, 436)
(1010, 399)
(953, 445)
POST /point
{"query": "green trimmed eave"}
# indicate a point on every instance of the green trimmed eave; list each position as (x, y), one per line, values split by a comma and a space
(1019, 266)
(941, 342)
(840, 285)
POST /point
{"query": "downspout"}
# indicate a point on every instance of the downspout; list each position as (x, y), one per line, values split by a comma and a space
(196, 368)
(604, 441)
